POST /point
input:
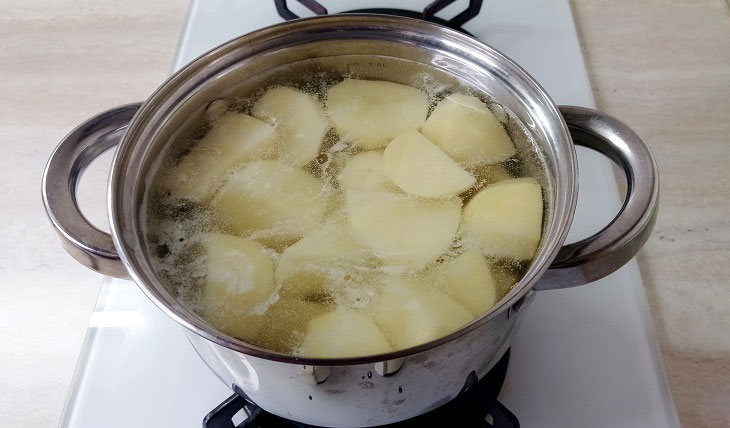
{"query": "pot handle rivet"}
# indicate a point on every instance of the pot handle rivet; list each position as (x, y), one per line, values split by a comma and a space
(84, 242)
(389, 367)
(318, 374)
(606, 251)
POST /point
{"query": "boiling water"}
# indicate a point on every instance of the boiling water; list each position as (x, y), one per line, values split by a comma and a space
(279, 322)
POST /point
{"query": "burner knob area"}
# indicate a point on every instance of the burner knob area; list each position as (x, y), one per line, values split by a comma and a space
(389, 368)
(317, 374)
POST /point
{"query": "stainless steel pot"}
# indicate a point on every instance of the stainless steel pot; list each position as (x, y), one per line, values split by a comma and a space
(376, 389)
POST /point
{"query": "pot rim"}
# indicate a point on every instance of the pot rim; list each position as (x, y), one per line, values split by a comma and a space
(563, 203)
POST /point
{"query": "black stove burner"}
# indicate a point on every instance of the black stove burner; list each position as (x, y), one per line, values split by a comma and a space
(428, 14)
(476, 406)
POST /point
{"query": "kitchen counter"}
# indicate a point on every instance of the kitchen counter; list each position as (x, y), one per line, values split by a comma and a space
(661, 66)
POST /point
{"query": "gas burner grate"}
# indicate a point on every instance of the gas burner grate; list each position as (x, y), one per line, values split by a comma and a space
(475, 407)
(428, 14)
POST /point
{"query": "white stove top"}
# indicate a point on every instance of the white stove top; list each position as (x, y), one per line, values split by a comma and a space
(583, 357)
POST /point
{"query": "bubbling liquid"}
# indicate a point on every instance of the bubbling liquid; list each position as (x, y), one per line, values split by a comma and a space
(274, 224)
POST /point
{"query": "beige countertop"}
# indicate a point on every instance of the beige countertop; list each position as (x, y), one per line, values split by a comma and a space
(663, 66)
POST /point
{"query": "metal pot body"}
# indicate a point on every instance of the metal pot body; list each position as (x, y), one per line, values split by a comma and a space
(375, 389)
(362, 394)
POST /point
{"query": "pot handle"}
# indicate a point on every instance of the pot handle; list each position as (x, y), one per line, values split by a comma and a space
(83, 241)
(606, 251)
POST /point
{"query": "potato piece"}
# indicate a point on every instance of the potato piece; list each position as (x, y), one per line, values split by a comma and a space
(420, 168)
(343, 333)
(271, 202)
(285, 323)
(468, 131)
(328, 250)
(237, 268)
(402, 229)
(506, 218)
(364, 171)
(411, 314)
(239, 276)
(468, 280)
(370, 113)
(236, 138)
(299, 120)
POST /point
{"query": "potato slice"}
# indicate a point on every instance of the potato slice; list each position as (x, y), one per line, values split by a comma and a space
(271, 202)
(236, 138)
(401, 229)
(468, 131)
(329, 250)
(420, 168)
(506, 218)
(239, 276)
(364, 171)
(299, 120)
(468, 280)
(370, 113)
(285, 323)
(411, 314)
(343, 333)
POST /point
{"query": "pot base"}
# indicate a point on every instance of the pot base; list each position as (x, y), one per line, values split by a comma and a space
(475, 406)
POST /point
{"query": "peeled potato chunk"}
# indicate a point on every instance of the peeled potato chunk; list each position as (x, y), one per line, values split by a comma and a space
(468, 131)
(401, 229)
(271, 202)
(506, 218)
(364, 171)
(235, 139)
(299, 120)
(468, 280)
(305, 268)
(411, 314)
(343, 333)
(239, 276)
(370, 113)
(285, 323)
(237, 268)
(420, 168)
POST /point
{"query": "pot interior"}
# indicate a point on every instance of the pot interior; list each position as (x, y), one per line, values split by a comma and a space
(369, 47)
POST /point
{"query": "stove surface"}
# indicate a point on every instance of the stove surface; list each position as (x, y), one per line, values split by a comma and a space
(580, 357)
